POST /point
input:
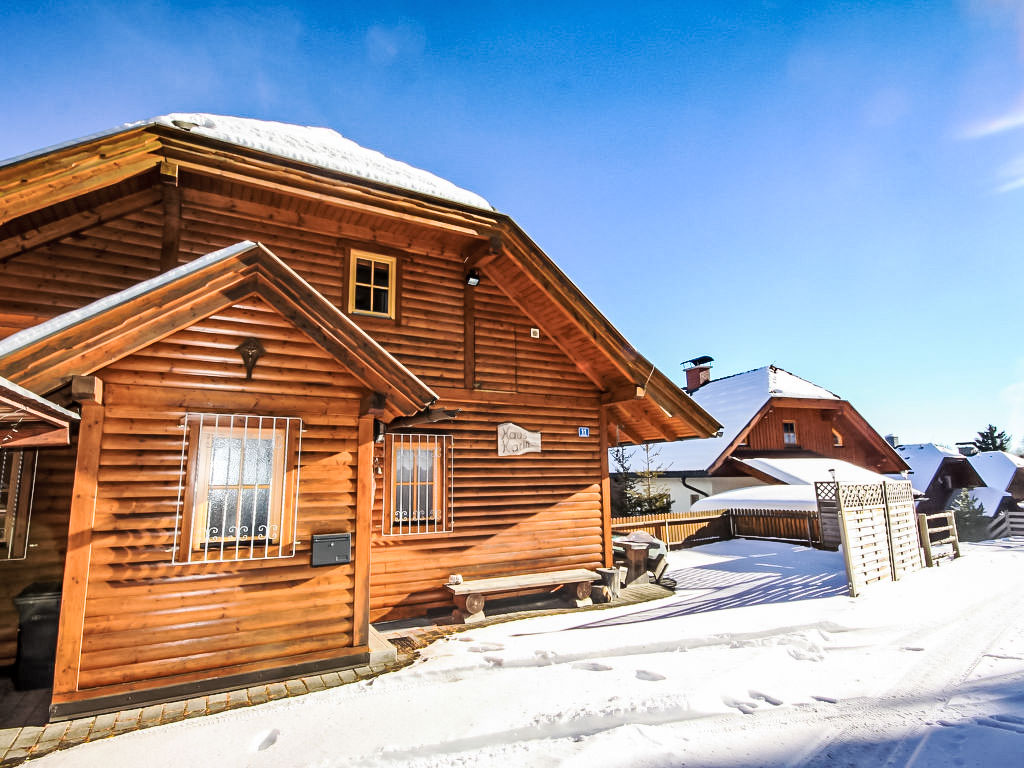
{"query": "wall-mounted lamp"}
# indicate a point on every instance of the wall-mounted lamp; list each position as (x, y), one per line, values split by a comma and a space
(473, 278)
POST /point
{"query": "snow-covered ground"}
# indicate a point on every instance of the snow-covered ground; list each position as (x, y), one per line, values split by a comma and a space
(759, 659)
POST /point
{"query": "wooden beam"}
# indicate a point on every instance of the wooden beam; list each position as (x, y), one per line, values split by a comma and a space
(87, 389)
(171, 241)
(364, 512)
(621, 395)
(69, 225)
(606, 490)
(481, 254)
(469, 335)
(79, 551)
(34, 436)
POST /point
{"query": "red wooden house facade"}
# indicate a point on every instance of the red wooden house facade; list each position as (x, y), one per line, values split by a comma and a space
(265, 348)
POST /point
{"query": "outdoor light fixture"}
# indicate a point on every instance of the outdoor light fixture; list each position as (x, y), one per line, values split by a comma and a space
(473, 278)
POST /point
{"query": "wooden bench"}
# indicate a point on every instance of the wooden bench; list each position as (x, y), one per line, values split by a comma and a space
(470, 596)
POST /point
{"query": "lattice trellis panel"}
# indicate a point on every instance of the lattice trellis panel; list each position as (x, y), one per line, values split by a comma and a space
(904, 543)
(828, 514)
(866, 540)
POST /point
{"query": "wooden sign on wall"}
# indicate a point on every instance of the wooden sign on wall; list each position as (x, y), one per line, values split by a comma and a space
(515, 441)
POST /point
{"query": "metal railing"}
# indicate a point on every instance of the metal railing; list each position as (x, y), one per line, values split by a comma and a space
(419, 484)
(238, 493)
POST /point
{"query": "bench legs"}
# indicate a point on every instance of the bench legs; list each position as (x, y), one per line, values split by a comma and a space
(468, 609)
(579, 593)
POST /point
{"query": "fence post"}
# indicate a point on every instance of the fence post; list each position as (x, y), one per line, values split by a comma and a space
(926, 539)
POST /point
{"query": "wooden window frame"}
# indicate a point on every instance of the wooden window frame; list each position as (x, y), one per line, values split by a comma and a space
(191, 546)
(375, 258)
(18, 472)
(795, 442)
(440, 519)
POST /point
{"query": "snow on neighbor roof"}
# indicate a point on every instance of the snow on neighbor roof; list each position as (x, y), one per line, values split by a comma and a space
(989, 498)
(996, 468)
(799, 497)
(322, 147)
(924, 460)
(734, 401)
(31, 335)
(807, 471)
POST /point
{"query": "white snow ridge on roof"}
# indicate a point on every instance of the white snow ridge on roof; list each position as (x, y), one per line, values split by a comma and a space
(322, 147)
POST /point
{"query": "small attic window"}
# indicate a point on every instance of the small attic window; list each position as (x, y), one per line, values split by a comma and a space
(837, 438)
(371, 284)
(789, 433)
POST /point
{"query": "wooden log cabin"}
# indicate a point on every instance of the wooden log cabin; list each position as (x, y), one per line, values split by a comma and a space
(312, 383)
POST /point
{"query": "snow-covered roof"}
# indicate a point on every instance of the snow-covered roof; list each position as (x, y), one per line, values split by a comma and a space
(799, 497)
(49, 327)
(322, 147)
(734, 401)
(807, 471)
(989, 498)
(924, 460)
(996, 468)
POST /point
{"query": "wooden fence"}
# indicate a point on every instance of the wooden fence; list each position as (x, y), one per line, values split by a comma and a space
(691, 530)
(875, 523)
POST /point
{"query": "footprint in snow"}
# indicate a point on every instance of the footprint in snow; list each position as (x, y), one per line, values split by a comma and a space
(765, 697)
(912, 648)
(487, 648)
(268, 740)
(746, 707)
(544, 657)
(825, 699)
(494, 661)
(466, 639)
(591, 666)
(651, 677)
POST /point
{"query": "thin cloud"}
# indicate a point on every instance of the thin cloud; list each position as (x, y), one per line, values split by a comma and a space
(1008, 122)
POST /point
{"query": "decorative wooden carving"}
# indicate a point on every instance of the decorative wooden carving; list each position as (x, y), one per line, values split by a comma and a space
(251, 350)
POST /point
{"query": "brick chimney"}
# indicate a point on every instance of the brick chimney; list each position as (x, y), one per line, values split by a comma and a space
(698, 372)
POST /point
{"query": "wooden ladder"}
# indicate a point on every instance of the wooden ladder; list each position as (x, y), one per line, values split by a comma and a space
(942, 524)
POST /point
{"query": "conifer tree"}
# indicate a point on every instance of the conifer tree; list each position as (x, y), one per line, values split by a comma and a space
(992, 439)
(971, 523)
(623, 485)
(648, 496)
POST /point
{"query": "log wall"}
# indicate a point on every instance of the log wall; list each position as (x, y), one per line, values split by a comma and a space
(814, 433)
(149, 623)
(511, 515)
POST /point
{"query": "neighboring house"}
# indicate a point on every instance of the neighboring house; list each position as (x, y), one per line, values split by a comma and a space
(936, 473)
(765, 413)
(271, 334)
(1003, 475)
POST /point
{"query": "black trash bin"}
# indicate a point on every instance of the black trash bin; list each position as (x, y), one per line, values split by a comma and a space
(38, 616)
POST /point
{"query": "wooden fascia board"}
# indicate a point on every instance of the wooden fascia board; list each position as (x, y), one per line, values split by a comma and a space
(267, 171)
(594, 326)
(37, 409)
(727, 452)
(808, 403)
(87, 346)
(60, 175)
(745, 469)
(868, 432)
(76, 222)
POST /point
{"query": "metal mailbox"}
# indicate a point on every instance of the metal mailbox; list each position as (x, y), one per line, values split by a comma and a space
(332, 549)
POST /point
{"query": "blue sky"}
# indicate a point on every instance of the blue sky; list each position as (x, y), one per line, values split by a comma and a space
(831, 187)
